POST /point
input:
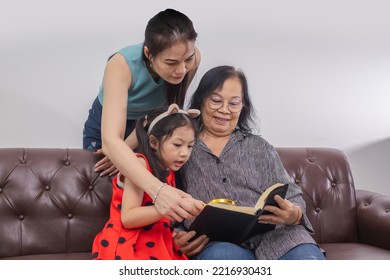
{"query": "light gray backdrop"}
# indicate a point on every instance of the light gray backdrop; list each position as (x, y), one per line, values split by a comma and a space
(319, 71)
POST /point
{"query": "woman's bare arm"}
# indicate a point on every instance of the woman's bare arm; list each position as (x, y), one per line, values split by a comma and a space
(171, 202)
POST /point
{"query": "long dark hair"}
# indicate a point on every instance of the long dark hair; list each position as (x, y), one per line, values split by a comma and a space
(164, 30)
(213, 80)
(162, 130)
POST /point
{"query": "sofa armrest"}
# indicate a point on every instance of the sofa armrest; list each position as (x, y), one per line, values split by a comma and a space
(373, 218)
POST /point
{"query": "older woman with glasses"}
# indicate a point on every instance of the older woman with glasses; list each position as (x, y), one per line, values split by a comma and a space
(228, 161)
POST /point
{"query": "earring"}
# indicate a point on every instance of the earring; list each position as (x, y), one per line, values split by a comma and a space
(151, 66)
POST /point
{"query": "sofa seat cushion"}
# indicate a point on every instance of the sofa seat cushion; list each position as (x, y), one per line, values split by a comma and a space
(354, 251)
(65, 256)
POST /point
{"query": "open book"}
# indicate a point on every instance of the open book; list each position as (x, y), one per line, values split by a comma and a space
(231, 223)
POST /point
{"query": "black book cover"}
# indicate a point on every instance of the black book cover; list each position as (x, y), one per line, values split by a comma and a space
(232, 225)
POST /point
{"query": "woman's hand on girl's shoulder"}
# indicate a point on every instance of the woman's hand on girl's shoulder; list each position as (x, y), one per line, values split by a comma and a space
(105, 166)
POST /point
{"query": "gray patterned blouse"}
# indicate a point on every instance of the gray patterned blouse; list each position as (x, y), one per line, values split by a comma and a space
(247, 165)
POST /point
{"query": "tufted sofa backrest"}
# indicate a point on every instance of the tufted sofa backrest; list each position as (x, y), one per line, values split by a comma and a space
(51, 201)
(326, 180)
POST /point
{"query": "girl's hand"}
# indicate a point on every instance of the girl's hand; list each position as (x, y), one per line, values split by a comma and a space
(104, 165)
(190, 248)
(286, 214)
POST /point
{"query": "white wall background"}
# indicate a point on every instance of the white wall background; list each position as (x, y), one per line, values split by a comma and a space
(319, 71)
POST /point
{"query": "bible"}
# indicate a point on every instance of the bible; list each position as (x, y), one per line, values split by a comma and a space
(221, 220)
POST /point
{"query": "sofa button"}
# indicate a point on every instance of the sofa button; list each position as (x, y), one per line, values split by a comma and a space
(317, 209)
(311, 159)
(387, 210)
(70, 216)
(366, 204)
(1, 190)
(67, 163)
(47, 188)
(21, 217)
(90, 188)
(297, 181)
(23, 161)
(334, 184)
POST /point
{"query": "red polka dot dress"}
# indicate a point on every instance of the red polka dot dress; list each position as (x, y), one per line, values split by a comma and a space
(151, 242)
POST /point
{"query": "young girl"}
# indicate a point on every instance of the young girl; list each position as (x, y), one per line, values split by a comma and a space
(136, 230)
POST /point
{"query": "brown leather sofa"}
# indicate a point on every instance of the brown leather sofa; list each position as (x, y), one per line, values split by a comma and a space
(52, 204)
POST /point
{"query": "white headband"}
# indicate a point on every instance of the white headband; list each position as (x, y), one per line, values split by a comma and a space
(173, 109)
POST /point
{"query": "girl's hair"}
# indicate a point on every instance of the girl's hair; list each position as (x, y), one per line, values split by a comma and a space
(162, 130)
(164, 30)
(213, 80)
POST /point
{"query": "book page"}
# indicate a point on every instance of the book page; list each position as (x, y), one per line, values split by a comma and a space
(242, 209)
(264, 195)
(247, 209)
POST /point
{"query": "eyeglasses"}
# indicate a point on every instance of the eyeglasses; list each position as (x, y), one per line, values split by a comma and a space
(235, 105)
